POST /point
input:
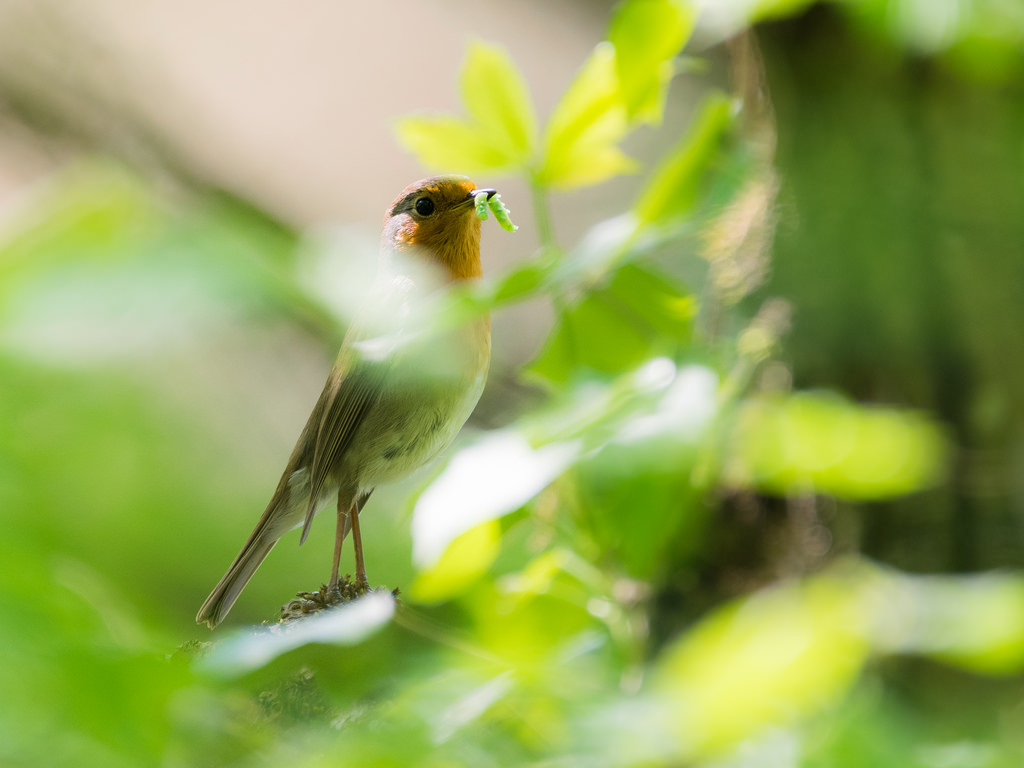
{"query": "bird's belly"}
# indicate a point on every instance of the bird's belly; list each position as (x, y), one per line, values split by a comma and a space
(409, 428)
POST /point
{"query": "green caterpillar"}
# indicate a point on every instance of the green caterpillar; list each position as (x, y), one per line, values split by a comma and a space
(501, 213)
(481, 207)
(483, 203)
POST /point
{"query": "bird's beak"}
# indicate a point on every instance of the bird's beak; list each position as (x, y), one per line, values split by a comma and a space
(471, 197)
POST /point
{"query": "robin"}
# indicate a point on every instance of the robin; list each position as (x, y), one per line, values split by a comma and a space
(399, 391)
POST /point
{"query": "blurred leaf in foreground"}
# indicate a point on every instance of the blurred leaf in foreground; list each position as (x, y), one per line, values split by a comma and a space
(676, 187)
(491, 478)
(778, 657)
(762, 661)
(975, 622)
(650, 415)
(79, 673)
(817, 443)
(465, 560)
(346, 624)
(647, 35)
(101, 266)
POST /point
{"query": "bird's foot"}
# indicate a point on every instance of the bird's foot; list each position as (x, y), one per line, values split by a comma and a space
(305, 603)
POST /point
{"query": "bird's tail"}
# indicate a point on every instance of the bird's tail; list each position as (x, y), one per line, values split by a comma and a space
(223, 596)
(279, 517)
(285, 511)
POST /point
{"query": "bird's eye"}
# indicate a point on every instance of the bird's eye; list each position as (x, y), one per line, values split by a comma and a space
(424, 206)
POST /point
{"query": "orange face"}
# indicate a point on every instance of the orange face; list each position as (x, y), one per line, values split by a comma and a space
(437, 216)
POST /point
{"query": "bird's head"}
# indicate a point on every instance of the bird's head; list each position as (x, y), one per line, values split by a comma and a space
(436, 218)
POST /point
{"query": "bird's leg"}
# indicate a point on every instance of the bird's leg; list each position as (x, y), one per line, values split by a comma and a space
(339, 538)
(357, 542)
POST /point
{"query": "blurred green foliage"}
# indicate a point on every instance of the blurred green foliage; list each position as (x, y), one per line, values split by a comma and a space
(539, 621)
(922, 306)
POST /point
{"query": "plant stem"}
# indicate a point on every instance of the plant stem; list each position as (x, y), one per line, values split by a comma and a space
(542, 215)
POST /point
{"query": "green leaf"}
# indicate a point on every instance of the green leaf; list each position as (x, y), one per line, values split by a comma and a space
(498, 102)
(973, 621)
(446, 142)
(464, 562)
(733, 17)
(501, 131)
(815, 443)
(762, 662)
(484, 481)
(639, 315)
(523, 280)
(647, 35)
(580, 143)
(675, 189)
(346, 624)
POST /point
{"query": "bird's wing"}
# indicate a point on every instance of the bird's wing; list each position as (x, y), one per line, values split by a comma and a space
(352, 390)
(357, 379)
